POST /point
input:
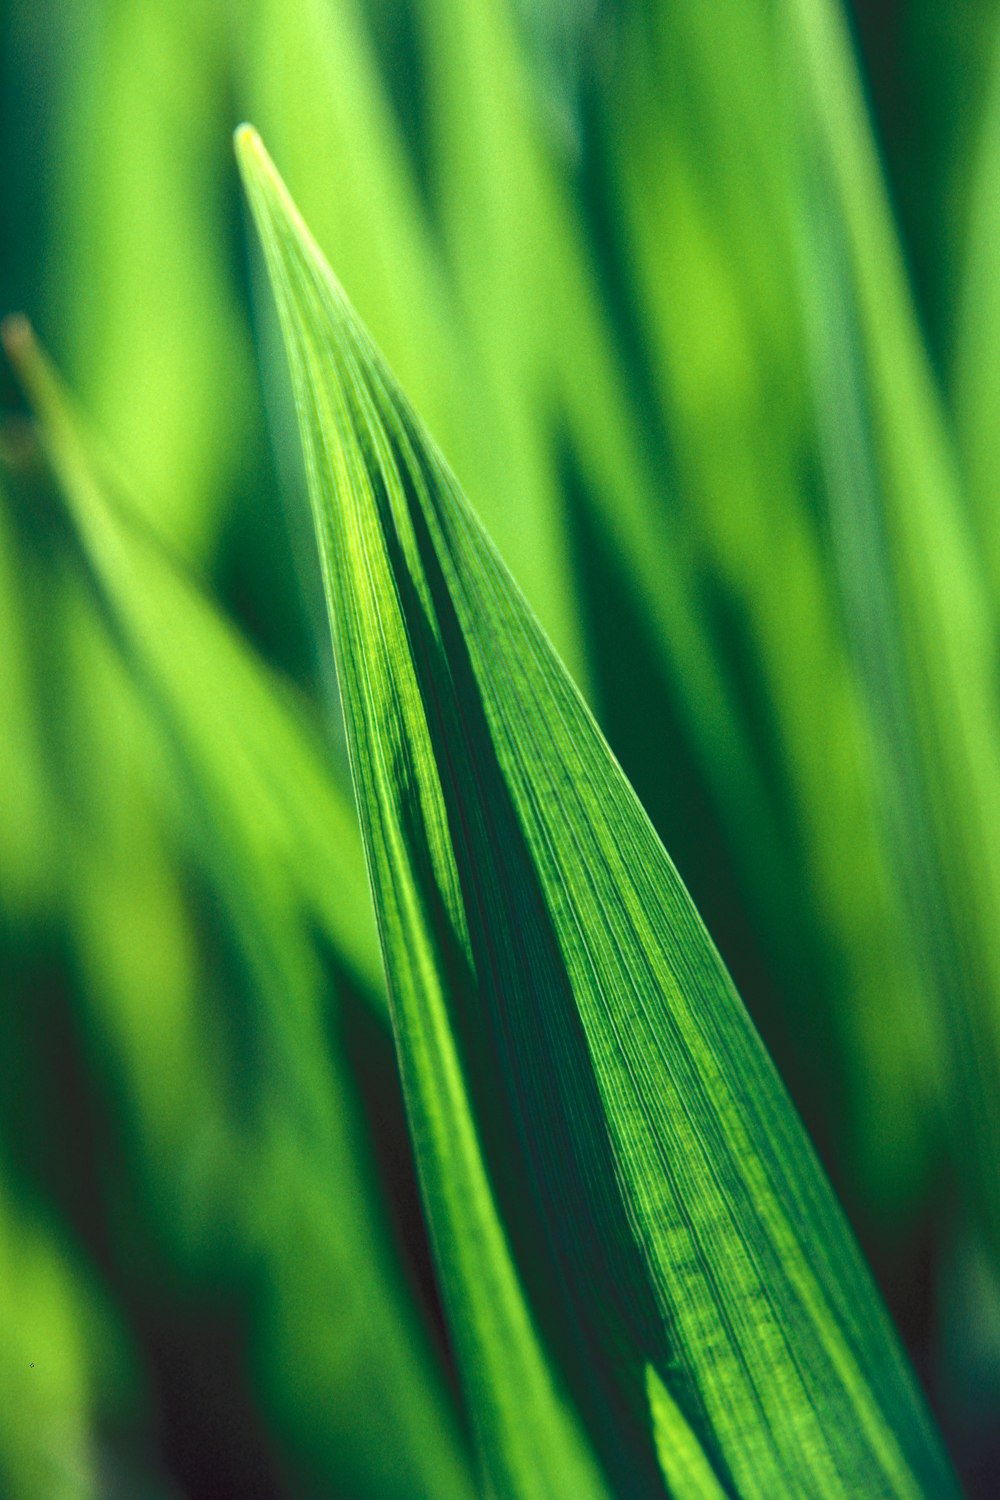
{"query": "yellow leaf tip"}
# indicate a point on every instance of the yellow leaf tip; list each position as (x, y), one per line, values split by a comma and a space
(251, 152)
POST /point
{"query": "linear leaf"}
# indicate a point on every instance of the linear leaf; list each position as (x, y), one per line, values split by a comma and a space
(147, 311)
(538, 313)
(614, 1176)
(264, 807)
(66, 1366)
(976, 363)
(506, 345)
(682, 1459)
(924, 629)
(254, 752)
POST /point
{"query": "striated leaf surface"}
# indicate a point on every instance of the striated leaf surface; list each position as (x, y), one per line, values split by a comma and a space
(620, 1193)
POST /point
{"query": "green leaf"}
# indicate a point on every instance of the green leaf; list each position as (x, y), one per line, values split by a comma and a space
(976, 373)
(519, 245)
(923, 626)
(147, 313)
(682, 1459)
(614, 1177)
(701, 201)
(279, 841)
(314, 83)
(263, 777)
(483, 293)
(66, 1375)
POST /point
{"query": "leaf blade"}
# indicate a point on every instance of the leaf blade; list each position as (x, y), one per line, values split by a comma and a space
(525, 899)
(302, 1180)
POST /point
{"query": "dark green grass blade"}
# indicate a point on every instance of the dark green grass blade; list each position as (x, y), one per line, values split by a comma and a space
(617, 1184)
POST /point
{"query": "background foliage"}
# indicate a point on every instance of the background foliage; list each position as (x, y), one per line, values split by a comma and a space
(701, 305)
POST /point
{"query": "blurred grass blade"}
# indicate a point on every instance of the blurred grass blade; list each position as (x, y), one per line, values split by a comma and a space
(256, 755)
(66, 1372)
(264, 808)
(923, 626)
(148, 323)
(534, 308)
(615, 1179)
(977, 335)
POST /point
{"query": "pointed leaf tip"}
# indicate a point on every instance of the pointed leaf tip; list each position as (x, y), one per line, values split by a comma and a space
(246, 139)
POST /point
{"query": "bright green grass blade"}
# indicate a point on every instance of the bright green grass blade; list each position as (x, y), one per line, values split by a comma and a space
(924, 630)
(256, 755)
(262, 808)
(64, 1370)
(685, 1466)
(976, 372)
(607, 1154)
(148, 316)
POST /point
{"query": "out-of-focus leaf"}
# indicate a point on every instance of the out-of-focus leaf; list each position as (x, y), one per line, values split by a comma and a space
(262, 776)
(146, 302)
(614, 1176)
(249, 1159)
(916, 595)
(63, 1374)
(927, 76)
(976, 374)
(264, 808)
